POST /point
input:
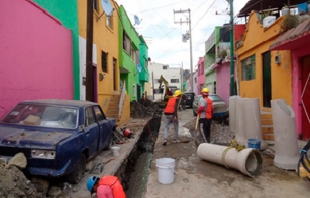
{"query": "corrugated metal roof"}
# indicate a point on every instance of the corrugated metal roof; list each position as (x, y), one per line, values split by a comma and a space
(282, 42)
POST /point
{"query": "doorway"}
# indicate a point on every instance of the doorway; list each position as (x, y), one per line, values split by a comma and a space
(305, 95)
(267, 79)
(115, 76)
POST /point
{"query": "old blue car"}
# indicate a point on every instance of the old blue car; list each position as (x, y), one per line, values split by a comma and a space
(57, 137)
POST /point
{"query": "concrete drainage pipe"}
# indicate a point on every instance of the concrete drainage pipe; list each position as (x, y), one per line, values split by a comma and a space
(248, 161)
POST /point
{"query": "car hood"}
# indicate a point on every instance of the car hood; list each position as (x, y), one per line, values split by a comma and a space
(14, 137)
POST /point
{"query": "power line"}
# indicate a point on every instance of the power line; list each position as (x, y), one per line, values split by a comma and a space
(161, 7)
(203, 15)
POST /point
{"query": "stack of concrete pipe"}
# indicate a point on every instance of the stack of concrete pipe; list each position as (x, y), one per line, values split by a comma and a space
(286, 142)
(245, 120)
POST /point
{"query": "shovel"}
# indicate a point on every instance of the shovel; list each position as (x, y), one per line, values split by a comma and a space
(199, 131)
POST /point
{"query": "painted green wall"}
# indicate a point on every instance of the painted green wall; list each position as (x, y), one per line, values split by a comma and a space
(143, 59)
(126, 62)
(66, 13)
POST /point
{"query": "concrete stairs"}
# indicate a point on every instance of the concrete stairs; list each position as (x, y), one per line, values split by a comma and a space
(267, 125)
(113, 108)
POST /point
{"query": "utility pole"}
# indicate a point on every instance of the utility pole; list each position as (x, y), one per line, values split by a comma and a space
(232, 62)
(190, 40)
(89, 53)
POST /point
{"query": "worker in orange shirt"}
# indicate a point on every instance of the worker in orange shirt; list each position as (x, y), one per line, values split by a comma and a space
(107, 187)
(171, 113)
(205, 111)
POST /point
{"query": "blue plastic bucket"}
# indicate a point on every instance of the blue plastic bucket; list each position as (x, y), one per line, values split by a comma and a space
(254, 143)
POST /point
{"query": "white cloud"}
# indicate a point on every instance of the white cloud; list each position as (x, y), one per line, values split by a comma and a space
(164, 37)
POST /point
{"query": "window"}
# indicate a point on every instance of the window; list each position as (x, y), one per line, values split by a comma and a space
(96, 5)
(109, 21)
(175, 80)
(132, 53)
(126, 43)
(134, 90)
(248, 68)
(99, 114)
(104, 61)
(89, 116)
(156, 80)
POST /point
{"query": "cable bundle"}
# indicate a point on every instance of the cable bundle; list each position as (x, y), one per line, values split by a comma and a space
(304, 162)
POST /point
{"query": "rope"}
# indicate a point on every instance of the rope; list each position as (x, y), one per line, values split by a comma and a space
(233, 144)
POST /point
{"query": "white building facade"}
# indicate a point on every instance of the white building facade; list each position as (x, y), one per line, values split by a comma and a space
(173, 75)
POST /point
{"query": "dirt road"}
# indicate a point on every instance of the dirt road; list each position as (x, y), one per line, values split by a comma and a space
(197, 178)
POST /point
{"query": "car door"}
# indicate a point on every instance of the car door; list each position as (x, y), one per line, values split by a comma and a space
(91, 131)
(105, 130)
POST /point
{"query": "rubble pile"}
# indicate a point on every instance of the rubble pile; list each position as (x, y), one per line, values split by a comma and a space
(144, 109)
(220, 134)
(13, 183)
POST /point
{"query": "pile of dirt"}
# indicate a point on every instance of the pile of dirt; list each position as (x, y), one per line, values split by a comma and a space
(13, 183)
(144, 109)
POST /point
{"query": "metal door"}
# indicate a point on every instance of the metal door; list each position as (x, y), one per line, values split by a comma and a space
(305, 97)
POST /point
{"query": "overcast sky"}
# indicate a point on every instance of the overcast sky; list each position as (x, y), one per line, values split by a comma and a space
(164, 36)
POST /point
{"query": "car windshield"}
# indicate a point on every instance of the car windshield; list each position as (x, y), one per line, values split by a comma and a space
(43, 115)
(215, 98)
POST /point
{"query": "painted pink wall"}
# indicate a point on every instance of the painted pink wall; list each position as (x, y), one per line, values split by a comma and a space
(35, 54)
(223, 80)
(296, 69)
(201, 71)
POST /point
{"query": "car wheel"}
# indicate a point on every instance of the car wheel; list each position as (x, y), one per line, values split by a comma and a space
(111, 142)
(79, 171)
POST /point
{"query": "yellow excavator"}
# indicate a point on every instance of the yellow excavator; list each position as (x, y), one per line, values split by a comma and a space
(166, 90)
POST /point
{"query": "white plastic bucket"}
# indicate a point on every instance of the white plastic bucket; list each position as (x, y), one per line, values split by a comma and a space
(165, 170)
(115, 150)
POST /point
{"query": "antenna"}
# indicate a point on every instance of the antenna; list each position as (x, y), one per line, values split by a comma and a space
(107, 8)
(137, 20)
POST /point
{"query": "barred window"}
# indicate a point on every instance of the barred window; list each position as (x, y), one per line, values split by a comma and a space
(248, 68)
(109, 21)
(174, 80)
(104, 61)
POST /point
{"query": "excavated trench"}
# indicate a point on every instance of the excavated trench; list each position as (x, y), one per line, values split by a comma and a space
(134, 171)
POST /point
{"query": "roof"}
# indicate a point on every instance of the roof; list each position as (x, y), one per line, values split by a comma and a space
(294, 38)
(266, 4)
(76, 103)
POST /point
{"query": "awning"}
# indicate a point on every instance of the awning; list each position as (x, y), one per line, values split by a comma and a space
(266, 4)
(123, 70)
(294, 38)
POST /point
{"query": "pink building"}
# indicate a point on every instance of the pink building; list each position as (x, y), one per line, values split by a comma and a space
(201, 74)
(35, 54)
(298, 40)
(222, 75)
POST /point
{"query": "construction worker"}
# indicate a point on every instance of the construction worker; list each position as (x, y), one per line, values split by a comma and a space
(171, 113)
(107, 187)
(205, 111)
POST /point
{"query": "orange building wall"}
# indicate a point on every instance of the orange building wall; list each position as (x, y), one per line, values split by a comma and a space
(257, 40)
(106, 39)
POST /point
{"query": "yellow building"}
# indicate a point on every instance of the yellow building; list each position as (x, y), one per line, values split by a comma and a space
(107, 89)
(262, 73)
